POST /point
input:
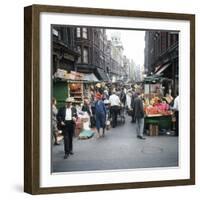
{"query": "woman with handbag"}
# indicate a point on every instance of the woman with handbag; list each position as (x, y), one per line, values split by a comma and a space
(100, 114)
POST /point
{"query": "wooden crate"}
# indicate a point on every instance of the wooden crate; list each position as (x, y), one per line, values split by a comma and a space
(153, 130)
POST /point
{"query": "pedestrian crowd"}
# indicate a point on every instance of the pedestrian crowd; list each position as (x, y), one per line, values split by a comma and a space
(103, 106)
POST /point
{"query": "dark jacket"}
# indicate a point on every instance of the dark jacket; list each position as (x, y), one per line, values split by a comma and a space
(123, 97)
(86, 108)
(134, 95)
(62, 113)
(138, 108)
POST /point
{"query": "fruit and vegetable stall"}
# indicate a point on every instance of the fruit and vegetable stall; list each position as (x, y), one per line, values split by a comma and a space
(158, 115)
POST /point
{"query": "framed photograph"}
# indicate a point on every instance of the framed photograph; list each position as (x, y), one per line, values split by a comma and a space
(109, 99)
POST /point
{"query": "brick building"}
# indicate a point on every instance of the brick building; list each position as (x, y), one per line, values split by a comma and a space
(64, 51)
(87, 50)
(161, 57)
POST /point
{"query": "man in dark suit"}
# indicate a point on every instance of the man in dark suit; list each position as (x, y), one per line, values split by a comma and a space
(66, 118)
(139, 116)
(134, 95)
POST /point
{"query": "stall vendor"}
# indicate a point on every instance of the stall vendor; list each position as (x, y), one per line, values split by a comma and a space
(176, 111)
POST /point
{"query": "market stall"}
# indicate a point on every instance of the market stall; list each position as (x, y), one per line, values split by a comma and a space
(158, 116)
(76, 85)
(90, 80)
(68, 85)
(61, 88)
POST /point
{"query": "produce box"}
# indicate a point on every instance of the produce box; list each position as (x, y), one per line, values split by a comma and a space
(153, 130)
(77, 131)
(78, 127)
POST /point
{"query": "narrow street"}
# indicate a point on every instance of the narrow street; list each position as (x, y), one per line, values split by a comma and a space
(119, 149)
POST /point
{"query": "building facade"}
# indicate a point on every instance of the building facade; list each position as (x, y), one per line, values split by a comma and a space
(64, 51)
(88, 50)
(117, 55)
(126, 68)
(161, 57)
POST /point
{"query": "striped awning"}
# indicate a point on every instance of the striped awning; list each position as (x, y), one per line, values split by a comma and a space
(163, 68)
(90, 77)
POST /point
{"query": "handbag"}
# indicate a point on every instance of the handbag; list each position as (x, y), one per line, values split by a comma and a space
(130, 112)
(92, 121)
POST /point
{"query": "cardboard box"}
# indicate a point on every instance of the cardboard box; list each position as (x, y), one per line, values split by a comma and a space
(77, 131)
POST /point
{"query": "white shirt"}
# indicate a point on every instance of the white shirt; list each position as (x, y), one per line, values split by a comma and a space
(68, 114)
(114, 100)
(128, 101)
(176, 103)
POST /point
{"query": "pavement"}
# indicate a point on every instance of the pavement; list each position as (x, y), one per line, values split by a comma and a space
(119, 149)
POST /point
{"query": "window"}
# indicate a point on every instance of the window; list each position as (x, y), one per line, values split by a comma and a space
(85, 33)
(79, 51)
(69, 40)
(55, 32)
(176, 37)
(85, 55)
(96, 39)
(78, 32)
(61, 34)
(171, 39)
(167, 40)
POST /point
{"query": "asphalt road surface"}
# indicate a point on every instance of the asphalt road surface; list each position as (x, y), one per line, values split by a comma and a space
(119, 149)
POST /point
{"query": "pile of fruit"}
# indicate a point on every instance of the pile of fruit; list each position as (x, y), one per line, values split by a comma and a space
(156, 107)
(151, 110)
(75, 87)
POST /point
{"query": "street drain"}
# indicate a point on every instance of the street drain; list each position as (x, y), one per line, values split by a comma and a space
(151, 150)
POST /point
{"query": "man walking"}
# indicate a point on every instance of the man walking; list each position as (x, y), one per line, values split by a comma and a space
(139, 116)
(114, 107)
(123, 96)
(67, 117)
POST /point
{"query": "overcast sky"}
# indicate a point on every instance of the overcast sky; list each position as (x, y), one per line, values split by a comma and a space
(133, 43)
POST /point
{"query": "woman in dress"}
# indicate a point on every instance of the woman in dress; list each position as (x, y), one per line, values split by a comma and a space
(100, 114)
(54, 121)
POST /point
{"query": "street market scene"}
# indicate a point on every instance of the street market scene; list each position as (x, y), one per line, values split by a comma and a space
(114, 99)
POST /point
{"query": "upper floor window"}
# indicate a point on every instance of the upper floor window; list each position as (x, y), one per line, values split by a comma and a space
(55, 32)
(85, 33)
(85, 55)
(78, 32)
(79, 51)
